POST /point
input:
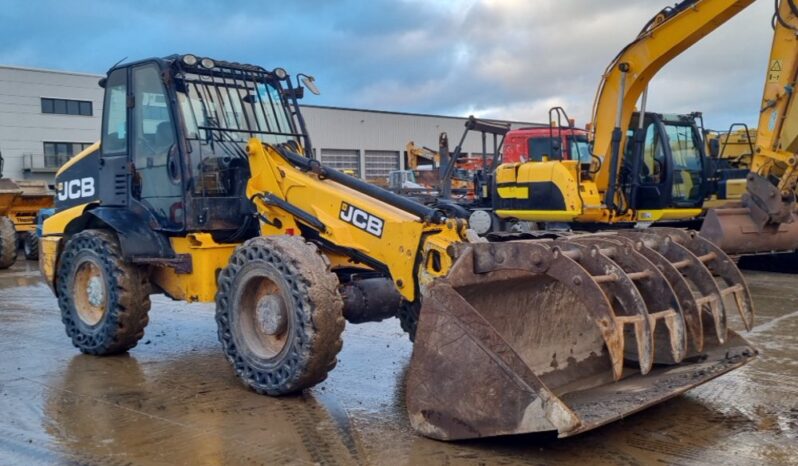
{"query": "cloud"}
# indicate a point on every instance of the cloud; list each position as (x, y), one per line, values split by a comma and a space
(504, 59)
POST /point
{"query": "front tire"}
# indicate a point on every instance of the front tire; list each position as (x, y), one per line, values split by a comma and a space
(104, 300)
(8, 243)
(279, 314)
(30, 246)
(408, 317)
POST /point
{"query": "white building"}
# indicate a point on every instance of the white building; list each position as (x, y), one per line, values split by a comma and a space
(48, 116)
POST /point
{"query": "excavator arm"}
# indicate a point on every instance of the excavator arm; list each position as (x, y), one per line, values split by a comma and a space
(667, 35)
(765, 219)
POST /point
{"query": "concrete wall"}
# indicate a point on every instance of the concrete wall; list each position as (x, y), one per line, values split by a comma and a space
(23, 126)
(370, 142)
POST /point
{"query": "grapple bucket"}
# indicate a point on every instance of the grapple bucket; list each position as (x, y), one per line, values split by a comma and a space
(569, 334)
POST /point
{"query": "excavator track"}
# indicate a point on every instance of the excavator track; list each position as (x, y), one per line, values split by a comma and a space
(573, 332)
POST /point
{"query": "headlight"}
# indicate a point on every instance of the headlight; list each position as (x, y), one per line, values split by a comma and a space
(189, 60)
(207, 63)
(280, 73)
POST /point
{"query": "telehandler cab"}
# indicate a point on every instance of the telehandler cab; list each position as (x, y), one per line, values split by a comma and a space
(201, 189)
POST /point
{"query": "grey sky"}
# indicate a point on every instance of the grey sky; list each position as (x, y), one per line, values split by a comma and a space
(508, 59)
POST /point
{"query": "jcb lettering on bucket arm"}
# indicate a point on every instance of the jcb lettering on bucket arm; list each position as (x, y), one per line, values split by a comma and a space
(206, 192)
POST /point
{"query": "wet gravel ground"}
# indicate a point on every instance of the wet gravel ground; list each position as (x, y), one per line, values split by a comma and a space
(174, 399)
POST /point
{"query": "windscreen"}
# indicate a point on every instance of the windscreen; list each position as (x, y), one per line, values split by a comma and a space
(222, 109)
(240, 105)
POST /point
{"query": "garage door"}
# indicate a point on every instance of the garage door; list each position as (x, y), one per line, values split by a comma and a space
(381, 162)
(342, 159)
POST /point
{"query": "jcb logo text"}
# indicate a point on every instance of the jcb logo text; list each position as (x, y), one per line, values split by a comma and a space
(76, 189)
(362, 219)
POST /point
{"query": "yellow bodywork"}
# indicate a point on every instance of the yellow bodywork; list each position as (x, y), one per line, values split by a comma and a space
(396, 247)
(208, 258)
(49, 249)
(582, 197)
(777, 132)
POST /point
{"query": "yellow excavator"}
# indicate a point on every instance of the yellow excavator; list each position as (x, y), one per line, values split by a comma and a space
(201, 189)
(648, 168)
(20, 202)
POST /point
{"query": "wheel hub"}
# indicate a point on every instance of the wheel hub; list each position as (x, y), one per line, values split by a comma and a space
(95, 291)
(270, 315)
(90, 294)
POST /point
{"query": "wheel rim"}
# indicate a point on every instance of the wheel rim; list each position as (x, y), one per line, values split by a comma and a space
(264, 318)
(91, 295)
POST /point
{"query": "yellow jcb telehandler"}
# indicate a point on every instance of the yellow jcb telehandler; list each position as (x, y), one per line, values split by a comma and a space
(201, 189)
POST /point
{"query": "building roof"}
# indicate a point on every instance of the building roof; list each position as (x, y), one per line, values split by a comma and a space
(46, 70)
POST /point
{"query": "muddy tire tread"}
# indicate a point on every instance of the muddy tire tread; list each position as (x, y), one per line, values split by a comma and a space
(31, 243)
(408, 318)
(124, 323)
(315, 292)
(8, 243)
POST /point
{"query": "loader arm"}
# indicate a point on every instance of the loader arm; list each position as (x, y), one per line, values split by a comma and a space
(667, 35)
(361, 225)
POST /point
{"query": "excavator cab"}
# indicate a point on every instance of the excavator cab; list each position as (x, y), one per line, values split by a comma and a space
(665, 165)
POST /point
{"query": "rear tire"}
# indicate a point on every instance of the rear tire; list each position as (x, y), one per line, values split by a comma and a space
(30, 246)
(8, 243)
(279, 314)
(104, 300)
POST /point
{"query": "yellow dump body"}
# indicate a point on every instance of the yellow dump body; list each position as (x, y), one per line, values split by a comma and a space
(22, 200)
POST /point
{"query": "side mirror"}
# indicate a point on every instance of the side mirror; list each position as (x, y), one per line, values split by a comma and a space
(310, 83)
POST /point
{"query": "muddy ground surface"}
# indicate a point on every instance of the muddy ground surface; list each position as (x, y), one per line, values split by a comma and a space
(174, 399)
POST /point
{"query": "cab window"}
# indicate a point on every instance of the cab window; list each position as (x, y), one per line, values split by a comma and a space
(114, 137)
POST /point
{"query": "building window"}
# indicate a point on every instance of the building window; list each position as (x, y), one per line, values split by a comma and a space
(67, 107)
(57, 153)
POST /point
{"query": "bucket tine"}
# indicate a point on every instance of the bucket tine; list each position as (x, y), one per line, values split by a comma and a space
(619, 288)
(691, 310)
(703, 283)
(659, 297)
(721, 265)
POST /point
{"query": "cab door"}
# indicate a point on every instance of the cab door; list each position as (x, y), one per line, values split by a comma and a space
(156, 180)
(651, 189)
